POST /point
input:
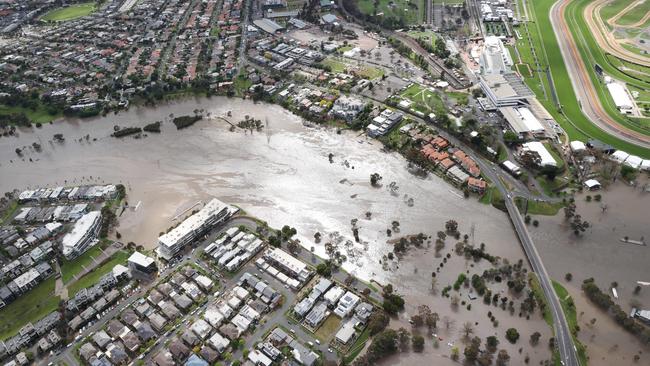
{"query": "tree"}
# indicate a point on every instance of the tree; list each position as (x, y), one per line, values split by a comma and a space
(512, 335)
(377, 322)
(324, 269)
(472, 350)
(468, 329)
(491, 343)
(383, 344)
(510, 137)
(451, 226)
(418, 343)
(455, 352)
(568, 277)
(503, 357)
(404, 337)
(417, 321)
(375, 178)
(534, 338)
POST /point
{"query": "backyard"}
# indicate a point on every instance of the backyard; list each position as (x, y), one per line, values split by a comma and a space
(93, 277)
(29, 307)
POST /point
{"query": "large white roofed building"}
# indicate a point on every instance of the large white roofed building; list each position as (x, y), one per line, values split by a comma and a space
(546, 158)
(213, 213)
(620, 96)
(495, 58)
(83, 233)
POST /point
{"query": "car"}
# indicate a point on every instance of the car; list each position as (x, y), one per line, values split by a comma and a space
(330, 350)
(310, 344)
(293, 331)
(317, 342)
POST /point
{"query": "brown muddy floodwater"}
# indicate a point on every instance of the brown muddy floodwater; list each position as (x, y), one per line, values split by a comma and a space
(599, 253)
(281, 175)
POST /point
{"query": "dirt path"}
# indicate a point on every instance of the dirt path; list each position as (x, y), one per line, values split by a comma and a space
(60, 289)
(605, 38)
(613, 21)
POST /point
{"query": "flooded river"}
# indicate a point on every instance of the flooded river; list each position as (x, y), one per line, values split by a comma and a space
(282, 175)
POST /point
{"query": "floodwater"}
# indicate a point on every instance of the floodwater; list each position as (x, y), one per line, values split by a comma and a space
(281, 175)
(600, 253)
(413, 280)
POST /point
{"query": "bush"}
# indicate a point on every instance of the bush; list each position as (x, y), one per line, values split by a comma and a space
(512, 335)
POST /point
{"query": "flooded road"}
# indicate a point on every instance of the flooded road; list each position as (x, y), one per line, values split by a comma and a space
(281, 175)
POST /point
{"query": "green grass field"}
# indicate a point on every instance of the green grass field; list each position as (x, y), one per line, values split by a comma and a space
(335, 65)
(570, 117)
(69, 12)
(70, 268)
(411, 14)
(424, 100)
(329, 327)
(632, 16)
(38, 115)
(612, 8)
(426, 35)
(30, 307)
(538, 208)
(94, 276)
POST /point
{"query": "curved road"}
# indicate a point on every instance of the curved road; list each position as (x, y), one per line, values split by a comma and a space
(582, 85)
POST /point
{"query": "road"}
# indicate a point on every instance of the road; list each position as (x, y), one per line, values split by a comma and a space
(269, 321)
(564, 340)
(582, 85)
(433, 62)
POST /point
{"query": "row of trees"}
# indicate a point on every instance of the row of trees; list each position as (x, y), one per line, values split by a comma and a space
(605, 302)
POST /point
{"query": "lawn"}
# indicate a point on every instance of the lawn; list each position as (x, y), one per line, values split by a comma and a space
(569, 309)
(91, 278)
(410, 12)
(9, 213)
(612, 8)
(30, 307)
(538, 207)
(70, 268)
(70, 12)
(460, 97)
(633, 15)
(329, 327)
(335, 65)
(241, 84)
(426, 35)
(38, 115)
(370, 73)
(424, 99)
(358, 346)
